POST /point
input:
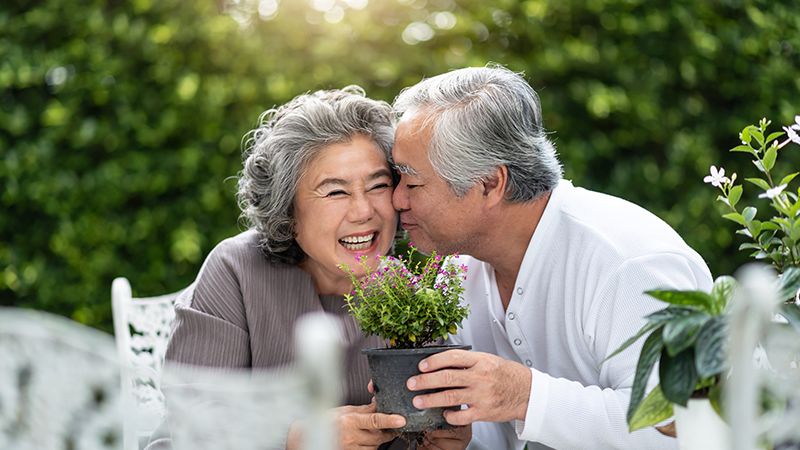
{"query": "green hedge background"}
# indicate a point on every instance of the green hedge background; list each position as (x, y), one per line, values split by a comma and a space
(121, 120)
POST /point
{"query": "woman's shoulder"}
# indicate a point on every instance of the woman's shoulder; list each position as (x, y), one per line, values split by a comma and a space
(240, 250)
(244, 243)
(241, 255)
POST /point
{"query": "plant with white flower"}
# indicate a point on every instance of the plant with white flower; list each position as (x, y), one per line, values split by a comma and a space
(778, 238)
(717, 178)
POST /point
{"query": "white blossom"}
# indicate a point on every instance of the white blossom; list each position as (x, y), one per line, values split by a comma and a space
(791, 134)
(773, 192)
(716, 178)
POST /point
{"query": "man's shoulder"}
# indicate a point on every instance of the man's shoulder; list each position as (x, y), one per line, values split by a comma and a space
(601, 229)
(618, 221)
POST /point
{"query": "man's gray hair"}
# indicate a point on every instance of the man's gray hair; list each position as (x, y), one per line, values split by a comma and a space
(279, 149)
(484, 118)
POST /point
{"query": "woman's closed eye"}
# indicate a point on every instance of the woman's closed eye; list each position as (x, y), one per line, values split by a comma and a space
(380, 186)
(336, 193)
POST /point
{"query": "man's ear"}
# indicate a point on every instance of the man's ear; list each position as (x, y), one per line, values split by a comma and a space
(494, 186)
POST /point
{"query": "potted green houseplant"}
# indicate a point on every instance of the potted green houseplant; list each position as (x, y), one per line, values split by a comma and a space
(689, 337)
(412, 305)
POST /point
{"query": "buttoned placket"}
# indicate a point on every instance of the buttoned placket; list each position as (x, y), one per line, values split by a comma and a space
(514, 328)
(507, 321)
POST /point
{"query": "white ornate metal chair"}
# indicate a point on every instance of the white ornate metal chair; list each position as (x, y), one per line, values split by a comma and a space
(60, 390)
(141, 327)
(59, 384)
(213, 409)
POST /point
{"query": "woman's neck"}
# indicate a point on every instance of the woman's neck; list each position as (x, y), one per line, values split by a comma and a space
(326, 283)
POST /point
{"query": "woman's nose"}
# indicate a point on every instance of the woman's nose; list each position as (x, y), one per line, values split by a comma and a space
(361, 209)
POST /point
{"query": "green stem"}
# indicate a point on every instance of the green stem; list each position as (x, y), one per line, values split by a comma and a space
(766, 171)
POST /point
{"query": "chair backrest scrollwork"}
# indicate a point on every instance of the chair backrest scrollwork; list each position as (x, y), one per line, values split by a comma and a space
(59, 384)
(142, 327)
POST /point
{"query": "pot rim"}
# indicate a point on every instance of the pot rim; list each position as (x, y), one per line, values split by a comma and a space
(414, 351)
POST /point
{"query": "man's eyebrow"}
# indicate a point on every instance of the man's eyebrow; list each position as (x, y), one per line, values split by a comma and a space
(405, 169)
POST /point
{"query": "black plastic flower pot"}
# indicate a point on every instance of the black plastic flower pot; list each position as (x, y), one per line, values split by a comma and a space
(390, 369)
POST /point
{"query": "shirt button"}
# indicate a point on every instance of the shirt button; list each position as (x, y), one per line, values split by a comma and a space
(517, 342)
(528, 363)
(519, 290)
(511, 316)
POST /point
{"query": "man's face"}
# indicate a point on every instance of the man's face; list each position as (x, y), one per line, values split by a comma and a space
(434, 218)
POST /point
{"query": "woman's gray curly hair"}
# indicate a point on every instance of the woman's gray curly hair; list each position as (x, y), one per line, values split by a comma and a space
(285, 140)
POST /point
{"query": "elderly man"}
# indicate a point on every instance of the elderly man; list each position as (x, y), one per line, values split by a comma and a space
(556, 273)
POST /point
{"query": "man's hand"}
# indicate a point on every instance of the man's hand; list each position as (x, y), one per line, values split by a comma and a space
(358, 428)
(494, 389)
(454, 439)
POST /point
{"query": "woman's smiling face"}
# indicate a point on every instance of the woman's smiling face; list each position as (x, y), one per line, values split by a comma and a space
(343, 208)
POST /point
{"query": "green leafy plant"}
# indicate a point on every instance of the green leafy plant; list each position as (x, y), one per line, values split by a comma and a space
(776, 239)
(688, 338)
(410, 304)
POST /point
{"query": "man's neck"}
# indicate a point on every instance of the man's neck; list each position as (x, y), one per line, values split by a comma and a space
(507, 242)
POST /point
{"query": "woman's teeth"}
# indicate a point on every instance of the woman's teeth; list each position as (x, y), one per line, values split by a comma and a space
(357, 242)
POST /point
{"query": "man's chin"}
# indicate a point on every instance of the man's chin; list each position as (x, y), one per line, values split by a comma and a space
(421, 243)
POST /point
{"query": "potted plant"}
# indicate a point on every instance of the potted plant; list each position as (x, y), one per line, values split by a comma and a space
(689, 337)
(688, 340)
(412, 305)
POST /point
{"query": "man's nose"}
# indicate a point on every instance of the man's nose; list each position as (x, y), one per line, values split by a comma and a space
(400, 197)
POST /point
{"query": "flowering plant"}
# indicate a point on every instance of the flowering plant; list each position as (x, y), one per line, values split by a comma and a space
(409, 305)
(688, 339)
(776, 239)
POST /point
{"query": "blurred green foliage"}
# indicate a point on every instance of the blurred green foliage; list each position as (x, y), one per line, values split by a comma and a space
(121, 121)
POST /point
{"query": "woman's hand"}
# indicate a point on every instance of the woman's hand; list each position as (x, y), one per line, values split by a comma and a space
(357, 427)
(454, 439)
(364, 428)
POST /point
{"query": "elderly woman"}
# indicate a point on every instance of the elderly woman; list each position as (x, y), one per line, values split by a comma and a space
(316, 191)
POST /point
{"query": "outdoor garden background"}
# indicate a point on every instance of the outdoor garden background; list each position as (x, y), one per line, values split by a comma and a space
(121, 120)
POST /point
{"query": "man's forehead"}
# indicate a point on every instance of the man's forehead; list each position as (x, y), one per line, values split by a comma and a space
(418, 120)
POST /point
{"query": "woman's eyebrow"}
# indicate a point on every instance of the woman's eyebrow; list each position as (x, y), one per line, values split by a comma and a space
(380, 174)
(336, 181)
(342, 182)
